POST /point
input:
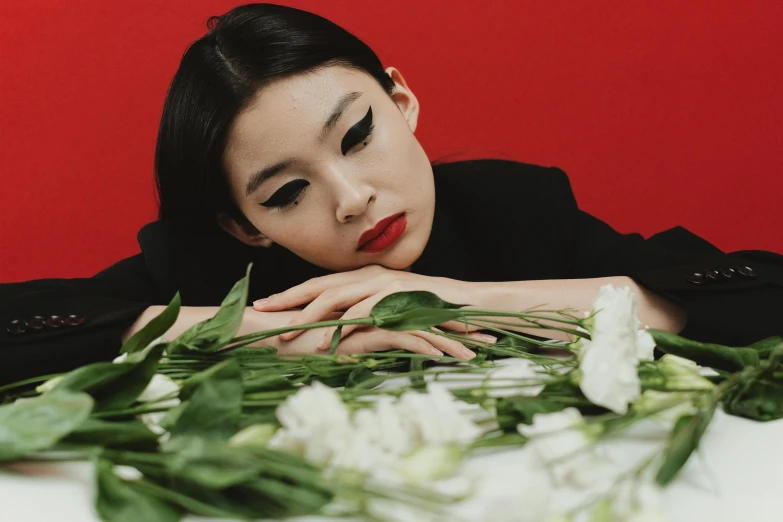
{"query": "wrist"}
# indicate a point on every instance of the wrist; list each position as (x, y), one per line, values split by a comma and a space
(255, 321)
(145, 317)
(482, 294)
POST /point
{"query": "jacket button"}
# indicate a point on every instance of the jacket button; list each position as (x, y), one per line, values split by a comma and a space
(73, 320)
(35, 323)
(712, 274)
(696, 278)
(16, 327)
(746, 271)
(726, 273)
(54, 321)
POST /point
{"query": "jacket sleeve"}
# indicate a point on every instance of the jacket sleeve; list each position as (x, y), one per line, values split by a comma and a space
(56, 325)
(730, 298)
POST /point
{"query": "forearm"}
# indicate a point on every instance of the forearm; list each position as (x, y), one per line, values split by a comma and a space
(578, 294)
(252, 322)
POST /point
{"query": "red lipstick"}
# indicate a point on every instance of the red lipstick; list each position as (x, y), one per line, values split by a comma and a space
(382, 235)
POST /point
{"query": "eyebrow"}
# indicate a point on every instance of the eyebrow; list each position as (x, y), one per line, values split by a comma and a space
(262, 175)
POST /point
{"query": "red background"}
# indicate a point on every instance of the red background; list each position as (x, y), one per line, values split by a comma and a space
(662, 113)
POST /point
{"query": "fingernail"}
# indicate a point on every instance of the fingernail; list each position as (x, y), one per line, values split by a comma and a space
(260, 302)
(435, 351)
(322, 343)
(488, 338)
(468, 353)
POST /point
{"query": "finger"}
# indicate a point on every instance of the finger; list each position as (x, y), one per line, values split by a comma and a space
(449, 346)
(382, 340)
(357, 311)
(332, 300)
(312, 288)
(459, 326)
(487, 338)
(299, 294)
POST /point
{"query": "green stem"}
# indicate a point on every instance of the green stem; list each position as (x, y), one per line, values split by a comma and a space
(251, 338)
(31, 380)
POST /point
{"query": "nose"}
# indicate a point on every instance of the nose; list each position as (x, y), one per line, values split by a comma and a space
(353, 197)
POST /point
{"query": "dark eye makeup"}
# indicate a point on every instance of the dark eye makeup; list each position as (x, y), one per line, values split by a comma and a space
(358, 132)
(292, 192)
(289, 193)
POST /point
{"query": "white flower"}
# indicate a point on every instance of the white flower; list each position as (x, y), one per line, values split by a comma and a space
(255, 435)
(664, 406)
(123, 357)
(564, 444)
(610, 359)
(312, 408)
(318, 426)
(429, 463)
(682, 374)
(384, 426)
(514, 488)
(48, 385)
(435, 416)
(512, 379)
(160, 386)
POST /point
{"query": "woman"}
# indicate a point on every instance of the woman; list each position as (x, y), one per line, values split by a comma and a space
(285, 143)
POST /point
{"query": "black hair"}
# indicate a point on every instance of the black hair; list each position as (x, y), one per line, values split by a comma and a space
(243, 50)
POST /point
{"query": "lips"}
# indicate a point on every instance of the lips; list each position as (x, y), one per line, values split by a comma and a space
(377, 230)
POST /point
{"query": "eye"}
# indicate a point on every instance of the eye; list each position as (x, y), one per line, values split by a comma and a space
(288, 193)
(358, 133)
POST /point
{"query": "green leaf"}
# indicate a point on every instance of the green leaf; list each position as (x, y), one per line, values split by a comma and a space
(266, 383)
(417, 365)
(683, 440)
(217, 331)
(419, 319)
(758, 395)
(400, 302)
(214, 406)
(525, 407)
(30, 425)
(761, 401)
(115, 434)
(335, 341)
(705, 354)
(244, 501)
(113, 385)
(513, 343)
(358, 376)
(766, 346)
(208, 463)
(119, 500)
(154, 329)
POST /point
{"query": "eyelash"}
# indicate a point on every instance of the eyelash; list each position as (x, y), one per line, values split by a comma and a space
(292, 192)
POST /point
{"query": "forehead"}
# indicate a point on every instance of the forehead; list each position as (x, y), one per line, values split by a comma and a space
(293, 109)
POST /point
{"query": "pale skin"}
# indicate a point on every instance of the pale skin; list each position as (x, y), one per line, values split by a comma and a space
(345, 183)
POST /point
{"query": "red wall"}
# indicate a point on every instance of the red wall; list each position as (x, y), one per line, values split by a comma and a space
(662, 113)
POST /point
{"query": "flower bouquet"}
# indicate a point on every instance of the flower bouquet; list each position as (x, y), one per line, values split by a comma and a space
(206, 424)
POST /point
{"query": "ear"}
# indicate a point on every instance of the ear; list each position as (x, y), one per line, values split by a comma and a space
(404, 98)
(247, 233)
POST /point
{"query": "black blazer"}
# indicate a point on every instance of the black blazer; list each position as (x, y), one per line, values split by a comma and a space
(495, 220)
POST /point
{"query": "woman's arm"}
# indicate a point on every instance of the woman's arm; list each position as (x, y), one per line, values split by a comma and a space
(252, 321)
(578, 294)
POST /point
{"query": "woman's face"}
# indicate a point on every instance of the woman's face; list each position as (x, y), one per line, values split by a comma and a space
(330, 184)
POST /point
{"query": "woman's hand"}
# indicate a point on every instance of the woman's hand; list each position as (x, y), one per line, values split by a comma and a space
(371, 339)
(357, 292)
